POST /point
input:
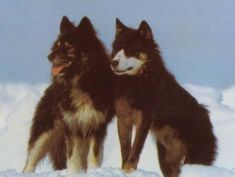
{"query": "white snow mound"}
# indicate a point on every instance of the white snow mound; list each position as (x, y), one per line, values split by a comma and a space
(17, 104)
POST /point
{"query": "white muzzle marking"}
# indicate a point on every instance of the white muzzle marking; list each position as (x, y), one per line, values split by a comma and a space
(126, 65)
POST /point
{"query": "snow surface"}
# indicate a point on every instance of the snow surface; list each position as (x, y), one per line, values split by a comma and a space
(17, 104)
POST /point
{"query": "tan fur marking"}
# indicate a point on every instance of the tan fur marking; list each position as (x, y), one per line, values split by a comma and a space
(67, 44)
(118, 30)
(92, 160)
(86, 116)
(75, 79)
(129, 168)
(76, 162)
(143, 56)
(124, 111)
(127, 117)
(175, 148)
(36, 152)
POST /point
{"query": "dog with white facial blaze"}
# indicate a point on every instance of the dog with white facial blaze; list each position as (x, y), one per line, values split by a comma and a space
(71, 118)
(148, 96)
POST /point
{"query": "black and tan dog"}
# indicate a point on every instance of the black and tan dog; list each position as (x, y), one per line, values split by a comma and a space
(71, 118)
(148, 95)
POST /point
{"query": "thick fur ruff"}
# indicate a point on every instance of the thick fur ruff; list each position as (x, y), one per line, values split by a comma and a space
(153, 100)
(71, 118)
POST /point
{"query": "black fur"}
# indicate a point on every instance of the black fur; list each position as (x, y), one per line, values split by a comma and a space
(160, 98)
(86, 60)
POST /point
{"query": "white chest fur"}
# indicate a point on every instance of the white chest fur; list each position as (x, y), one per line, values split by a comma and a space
(85, 116)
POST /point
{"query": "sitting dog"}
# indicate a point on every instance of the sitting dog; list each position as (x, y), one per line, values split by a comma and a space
(147, 95)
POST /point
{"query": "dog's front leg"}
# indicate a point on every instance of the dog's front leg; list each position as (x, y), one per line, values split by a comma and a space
(96, 147)
(125, 134)
(142, 128)
(37, 149)
(77, 149)
(92, 158)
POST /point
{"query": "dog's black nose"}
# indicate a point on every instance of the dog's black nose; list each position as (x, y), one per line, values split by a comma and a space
(51, 56)
(114, 63)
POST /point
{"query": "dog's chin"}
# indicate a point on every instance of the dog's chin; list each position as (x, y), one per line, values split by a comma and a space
(60, 75)
(128, 71)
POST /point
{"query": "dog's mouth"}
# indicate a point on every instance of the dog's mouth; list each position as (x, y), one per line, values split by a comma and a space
(125, 70)
(120, 72)
(57, 69)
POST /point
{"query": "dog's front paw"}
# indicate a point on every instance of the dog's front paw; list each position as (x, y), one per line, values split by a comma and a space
(129, 167)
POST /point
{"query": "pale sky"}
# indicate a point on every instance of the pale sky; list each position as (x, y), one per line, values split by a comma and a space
(197, 38)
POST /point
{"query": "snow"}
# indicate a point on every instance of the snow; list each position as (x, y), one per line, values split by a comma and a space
(229, 97)
(17, 104)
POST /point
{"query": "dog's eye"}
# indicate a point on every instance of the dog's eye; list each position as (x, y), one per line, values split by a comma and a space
(68, 45)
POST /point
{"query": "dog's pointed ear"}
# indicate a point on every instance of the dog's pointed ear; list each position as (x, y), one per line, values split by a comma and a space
(145, 30)
(65, 25)
(119, 26)
(86, 25)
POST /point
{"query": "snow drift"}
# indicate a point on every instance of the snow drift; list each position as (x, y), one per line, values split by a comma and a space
(17, 104)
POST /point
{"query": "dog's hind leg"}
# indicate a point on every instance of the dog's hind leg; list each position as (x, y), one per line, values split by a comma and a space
(36, 151)
(171, 151)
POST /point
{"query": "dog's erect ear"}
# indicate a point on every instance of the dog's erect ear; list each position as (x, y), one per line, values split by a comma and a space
(145, 30)
(65, 25)
(86, 25)
(119, 26)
